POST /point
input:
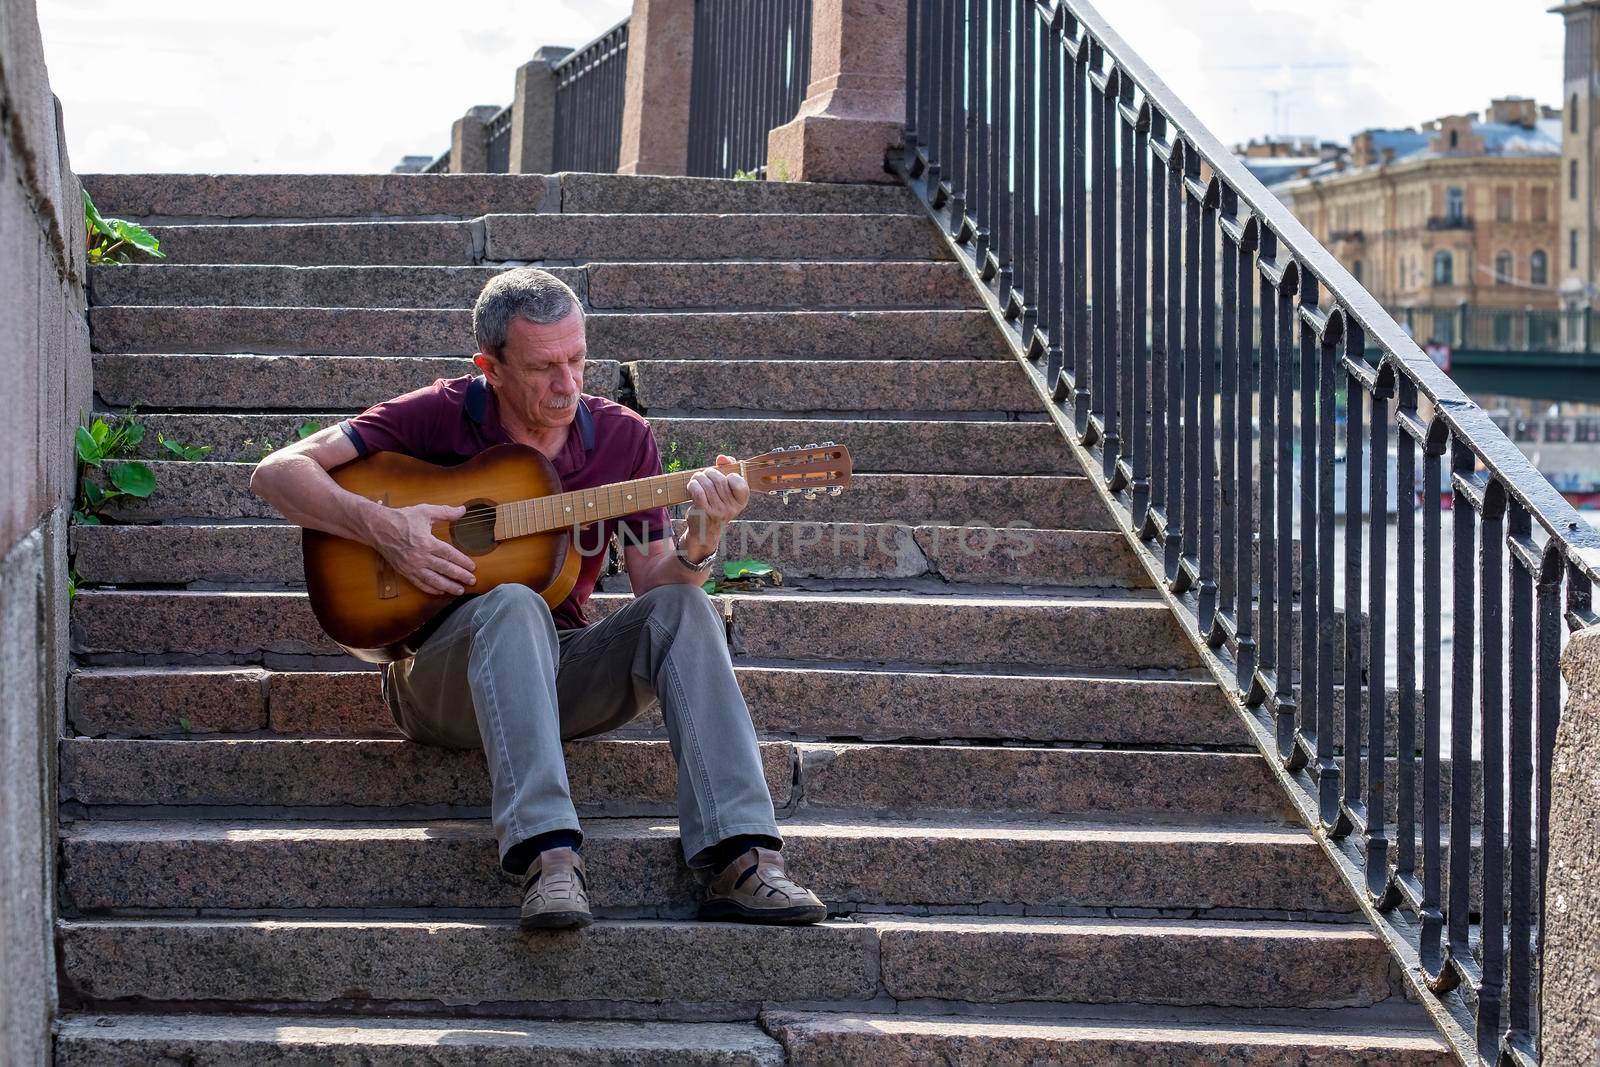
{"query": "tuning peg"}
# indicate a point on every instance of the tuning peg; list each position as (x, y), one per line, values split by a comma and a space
(826, 444)
(811, 494)
(813, 444)
(835, 490)
(787, 494)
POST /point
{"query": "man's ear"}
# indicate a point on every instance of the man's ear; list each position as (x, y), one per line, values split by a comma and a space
(487, 364)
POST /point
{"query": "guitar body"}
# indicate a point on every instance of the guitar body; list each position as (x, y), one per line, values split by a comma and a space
(378, 615)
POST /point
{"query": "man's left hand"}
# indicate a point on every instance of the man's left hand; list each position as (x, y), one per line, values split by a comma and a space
(718, 499)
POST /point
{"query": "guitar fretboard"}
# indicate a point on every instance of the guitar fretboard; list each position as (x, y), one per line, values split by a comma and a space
(583, 506)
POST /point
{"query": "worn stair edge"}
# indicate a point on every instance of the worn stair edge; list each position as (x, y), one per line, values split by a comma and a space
(126, 1040)
(788, 702)
(635, 867)
(374, 962)
(217, 490)
(875, 385)
(719, 286)
(920, 334)
(879, 552)
(1118, 630)
(623, 777)
(1336, 1041)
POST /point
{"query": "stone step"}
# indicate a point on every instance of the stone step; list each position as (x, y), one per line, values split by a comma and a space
(888, 446)
(557, 239)
(359, 778)
(609, 286)
(314, 383)
(792, 702)
(207, 490)
(927, 333)
(136, 1040)
(1343, 1038)
(600, 237)
(670, 968)
(635, 867)
(879, 552)
(1076, 633)
(258, 197)
(945, 386)
(609, 777)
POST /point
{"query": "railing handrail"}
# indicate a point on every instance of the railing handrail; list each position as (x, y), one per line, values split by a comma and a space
(560, 69)
(1579, 544)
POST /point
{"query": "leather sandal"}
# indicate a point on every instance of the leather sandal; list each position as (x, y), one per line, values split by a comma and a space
(555, 894)
(755, 888)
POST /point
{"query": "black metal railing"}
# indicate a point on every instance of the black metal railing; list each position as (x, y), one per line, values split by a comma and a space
(440, 164)
(498, 142)
(589, 94)
(1220, 465)
(752, 62)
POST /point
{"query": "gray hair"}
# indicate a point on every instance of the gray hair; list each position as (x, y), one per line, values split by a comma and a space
(528, 293)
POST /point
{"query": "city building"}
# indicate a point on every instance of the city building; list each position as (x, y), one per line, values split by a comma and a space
(1580, 249)
(1461, 211)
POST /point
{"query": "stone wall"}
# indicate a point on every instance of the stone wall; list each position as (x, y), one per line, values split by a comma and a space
(1570, 1024)
(44, 364)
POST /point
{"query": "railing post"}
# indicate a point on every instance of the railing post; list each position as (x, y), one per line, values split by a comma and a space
(854, 109)
(655, 110)
(533, 113)
(469, 140)
(1568, 1023)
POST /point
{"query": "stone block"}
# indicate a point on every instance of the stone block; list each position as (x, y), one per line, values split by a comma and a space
(680, 237)
(263, 197)
(145, 701)
(636, 868)
(285, 331)
(808, 286)
(823, 1038)
(778, 386)
(461, 963)
(1091, 961)
(608, 777)
(907, 446)
(533, 113)
(314, 244)
(1088, 633)
(236, 285)
(1043, 502)
(908, 779)
(197, 490)
(1030, 557)
(181, 555)
(320, 383)
(618, 194)
(217, 1040)
(655, 108)
(830, 335)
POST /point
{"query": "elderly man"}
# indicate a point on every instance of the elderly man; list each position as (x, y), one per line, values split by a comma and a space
(506, 672)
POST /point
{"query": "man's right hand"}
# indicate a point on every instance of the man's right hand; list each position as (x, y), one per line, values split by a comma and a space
(432, 565)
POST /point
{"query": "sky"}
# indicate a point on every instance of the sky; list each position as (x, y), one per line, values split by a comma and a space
(338, 86)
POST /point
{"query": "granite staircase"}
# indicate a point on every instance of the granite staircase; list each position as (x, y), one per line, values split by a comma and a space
(1041, 831)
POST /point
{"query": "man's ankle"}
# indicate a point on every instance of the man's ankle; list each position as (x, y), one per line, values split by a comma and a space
(520, 856)
(729, 849)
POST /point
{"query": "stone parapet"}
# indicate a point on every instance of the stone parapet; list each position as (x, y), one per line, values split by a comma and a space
(469, 140)
(655, 109)
(1569, 1023)
(533, 113)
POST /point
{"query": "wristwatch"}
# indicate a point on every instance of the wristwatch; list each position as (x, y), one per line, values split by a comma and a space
(683, 558)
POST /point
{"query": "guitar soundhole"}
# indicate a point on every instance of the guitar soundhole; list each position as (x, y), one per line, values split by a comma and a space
(473, 532)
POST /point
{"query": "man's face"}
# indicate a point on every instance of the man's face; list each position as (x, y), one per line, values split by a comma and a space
(540, 371)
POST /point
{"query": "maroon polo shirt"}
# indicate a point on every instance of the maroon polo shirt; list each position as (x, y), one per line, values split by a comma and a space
(454, 419)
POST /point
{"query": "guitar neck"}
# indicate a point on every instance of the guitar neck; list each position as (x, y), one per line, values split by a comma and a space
(580, 507)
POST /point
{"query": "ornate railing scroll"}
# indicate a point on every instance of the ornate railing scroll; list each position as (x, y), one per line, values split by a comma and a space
(589, 96)
(752, 63)
(1275, 443)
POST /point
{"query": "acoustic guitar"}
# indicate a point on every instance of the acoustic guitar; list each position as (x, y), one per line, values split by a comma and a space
(518, 527)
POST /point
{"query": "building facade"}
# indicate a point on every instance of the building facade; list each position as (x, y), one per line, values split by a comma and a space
(1464, 210)
(1580, 154)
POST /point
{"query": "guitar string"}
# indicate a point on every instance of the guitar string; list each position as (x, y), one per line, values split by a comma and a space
(495, 518)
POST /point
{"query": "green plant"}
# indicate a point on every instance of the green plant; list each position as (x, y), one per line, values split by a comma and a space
(116, 240)
(183, 451)
(744, 575)
(783, 171)
(98, 444)
(678, 458)
(745, 175)
(72, 581)
(269, 446)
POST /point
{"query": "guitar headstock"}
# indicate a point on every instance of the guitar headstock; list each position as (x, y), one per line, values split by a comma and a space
(803, 469)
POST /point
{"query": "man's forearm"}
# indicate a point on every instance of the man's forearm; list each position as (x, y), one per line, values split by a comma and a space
(304, 493)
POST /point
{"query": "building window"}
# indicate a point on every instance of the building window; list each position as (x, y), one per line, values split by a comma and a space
(1502, 204)
(1539, 268)
(1572, 113)
(1444, 268)
(1572, 249)
(1455, 203)
(1455, 138)
(1355, 270)
(1572, 179)
(1502, 268)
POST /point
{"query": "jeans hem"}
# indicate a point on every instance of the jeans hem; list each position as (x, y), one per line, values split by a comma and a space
(709, 840)
(560, 822)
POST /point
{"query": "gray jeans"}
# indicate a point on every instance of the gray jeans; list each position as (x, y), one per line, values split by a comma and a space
(498, 675)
